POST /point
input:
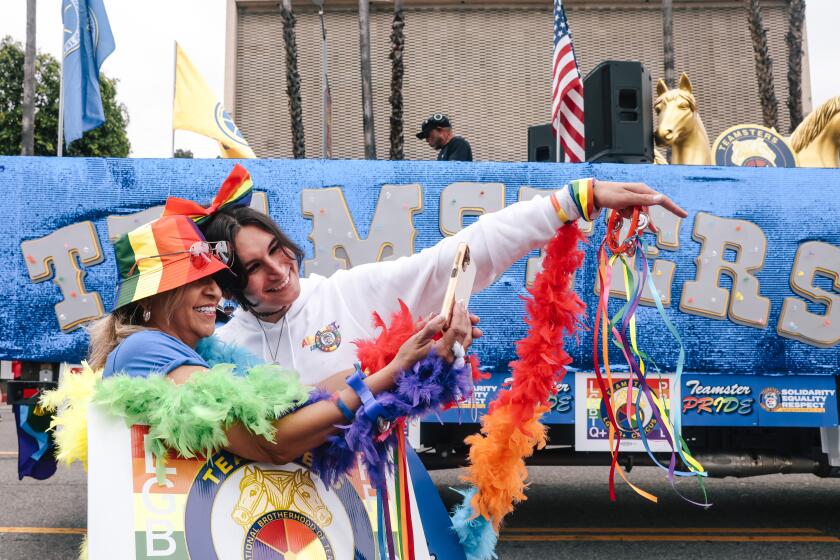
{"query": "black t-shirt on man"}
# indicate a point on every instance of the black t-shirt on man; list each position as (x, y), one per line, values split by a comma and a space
(457, 149)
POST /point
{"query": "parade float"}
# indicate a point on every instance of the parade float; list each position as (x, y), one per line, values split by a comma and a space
(733, 313)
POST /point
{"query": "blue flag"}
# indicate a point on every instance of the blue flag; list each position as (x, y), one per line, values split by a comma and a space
(35, 445)
(87, 43)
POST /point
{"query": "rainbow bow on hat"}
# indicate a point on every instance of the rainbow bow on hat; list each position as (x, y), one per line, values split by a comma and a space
(236, 191)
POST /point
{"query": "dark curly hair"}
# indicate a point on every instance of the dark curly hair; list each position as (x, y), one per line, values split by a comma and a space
(225, 224)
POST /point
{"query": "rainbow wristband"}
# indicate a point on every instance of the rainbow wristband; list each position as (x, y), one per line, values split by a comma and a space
(582, 194)
(370, 406)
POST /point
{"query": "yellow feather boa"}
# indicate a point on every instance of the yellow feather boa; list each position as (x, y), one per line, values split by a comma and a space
(71, 402)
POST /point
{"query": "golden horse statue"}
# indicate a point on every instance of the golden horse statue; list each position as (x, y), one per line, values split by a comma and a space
(262, 491)
(816, 140)
(680, 126)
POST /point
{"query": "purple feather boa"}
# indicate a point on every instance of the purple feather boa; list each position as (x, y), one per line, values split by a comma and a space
(426, 387)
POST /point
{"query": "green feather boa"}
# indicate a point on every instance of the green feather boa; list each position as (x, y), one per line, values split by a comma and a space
(192, 418)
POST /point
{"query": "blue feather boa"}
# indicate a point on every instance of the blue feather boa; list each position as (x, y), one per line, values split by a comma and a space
(215, 352)
(475, 532)
(430, 384)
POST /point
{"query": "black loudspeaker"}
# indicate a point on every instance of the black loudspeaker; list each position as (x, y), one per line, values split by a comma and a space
(618, 113)
(542, 145)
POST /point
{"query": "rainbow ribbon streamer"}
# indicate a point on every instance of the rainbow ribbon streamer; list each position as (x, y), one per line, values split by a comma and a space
(396, 543)
(621, 330)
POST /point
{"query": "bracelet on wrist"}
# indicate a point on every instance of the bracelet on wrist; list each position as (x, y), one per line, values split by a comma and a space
(342, 407)
(564, 218)
(370, 406)
(582, 194)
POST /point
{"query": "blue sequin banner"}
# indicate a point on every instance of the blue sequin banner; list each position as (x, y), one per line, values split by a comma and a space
(791, 207)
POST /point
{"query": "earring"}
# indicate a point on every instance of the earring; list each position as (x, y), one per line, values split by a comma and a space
(147, 315)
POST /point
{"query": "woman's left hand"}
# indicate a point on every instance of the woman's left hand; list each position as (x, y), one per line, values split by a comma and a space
(418, 345)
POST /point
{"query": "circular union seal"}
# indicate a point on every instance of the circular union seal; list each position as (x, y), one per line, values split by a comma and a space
(70, 16)
(632, 419)
(770, 399)
(227, 126)
(237, 509)
(286, 535)
(752, 145)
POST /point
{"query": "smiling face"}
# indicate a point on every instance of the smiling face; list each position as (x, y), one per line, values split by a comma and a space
(273, 280)
(188, 313)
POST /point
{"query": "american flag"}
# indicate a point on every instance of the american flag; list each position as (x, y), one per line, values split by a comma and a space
(566, 91)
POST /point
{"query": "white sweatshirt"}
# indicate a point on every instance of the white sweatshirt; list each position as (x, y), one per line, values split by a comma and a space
(343, 303)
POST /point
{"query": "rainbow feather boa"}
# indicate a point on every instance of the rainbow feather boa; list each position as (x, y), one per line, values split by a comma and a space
(511, 429)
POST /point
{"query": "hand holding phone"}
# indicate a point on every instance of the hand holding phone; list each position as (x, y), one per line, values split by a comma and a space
(461, 280)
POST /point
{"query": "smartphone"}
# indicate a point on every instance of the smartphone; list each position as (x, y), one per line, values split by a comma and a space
(461, 281)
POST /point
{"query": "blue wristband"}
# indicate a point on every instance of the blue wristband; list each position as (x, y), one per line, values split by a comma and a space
(370, 406)
(343, 408)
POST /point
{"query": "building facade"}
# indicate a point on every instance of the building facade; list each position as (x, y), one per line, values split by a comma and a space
(487, 64)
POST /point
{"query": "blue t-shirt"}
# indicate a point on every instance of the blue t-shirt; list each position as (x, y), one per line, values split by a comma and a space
(150, 352)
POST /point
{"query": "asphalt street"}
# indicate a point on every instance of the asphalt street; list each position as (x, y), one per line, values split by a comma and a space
(568, 514)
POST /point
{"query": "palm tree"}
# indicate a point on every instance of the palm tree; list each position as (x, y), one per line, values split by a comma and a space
(293, 79)
(763, 66)
(396, 98)
(668, 40)
(796, 20)
(367, 86)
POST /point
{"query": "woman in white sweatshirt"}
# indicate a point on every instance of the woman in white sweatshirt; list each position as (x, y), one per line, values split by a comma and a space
(308, 324)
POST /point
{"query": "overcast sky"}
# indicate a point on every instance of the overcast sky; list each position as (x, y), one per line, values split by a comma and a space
(143, 60)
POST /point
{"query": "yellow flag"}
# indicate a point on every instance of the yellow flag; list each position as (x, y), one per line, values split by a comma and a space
(197, 109)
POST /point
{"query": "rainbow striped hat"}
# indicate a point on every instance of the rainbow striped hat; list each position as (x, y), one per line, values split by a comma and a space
(159, 256)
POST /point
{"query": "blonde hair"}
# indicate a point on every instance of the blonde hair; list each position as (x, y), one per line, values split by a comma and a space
(108, 332)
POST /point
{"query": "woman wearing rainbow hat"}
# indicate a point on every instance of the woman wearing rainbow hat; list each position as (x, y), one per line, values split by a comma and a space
(166, 304)
(154, 361)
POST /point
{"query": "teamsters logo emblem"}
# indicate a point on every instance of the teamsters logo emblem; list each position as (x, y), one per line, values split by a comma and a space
(258, 511)
(327, 339)
(749, 145)
(283, 515)
(771, 399)
(633, 418)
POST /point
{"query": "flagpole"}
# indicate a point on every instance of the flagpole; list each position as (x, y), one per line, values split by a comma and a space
(60, 149)
(174, 79)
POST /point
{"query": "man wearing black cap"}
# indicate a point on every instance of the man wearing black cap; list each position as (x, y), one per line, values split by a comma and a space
(437, 131)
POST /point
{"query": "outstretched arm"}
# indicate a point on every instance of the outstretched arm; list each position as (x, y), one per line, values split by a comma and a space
(496, 240)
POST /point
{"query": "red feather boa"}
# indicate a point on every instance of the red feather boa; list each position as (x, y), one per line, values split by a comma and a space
(376, 353)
